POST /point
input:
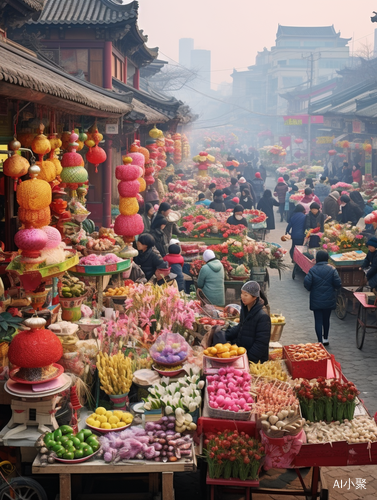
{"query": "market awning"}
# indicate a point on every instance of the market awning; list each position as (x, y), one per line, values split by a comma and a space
(24, 77)
(146, 114)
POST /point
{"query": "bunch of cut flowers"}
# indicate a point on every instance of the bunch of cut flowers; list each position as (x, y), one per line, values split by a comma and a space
(254, 216)
(160, 309)
(339, 237)
(233, 454)
(327, 400)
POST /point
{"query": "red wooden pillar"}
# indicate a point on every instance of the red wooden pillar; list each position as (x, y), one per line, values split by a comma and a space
(107, 61)
(125, 70)
(107, 177)
(137, 79)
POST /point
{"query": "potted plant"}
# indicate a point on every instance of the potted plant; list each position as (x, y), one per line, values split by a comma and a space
(9, 325)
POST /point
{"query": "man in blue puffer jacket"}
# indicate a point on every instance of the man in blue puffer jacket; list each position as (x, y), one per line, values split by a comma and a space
(322, 281)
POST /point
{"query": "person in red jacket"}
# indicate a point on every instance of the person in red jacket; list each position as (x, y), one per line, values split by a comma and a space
(175, 261)
(356, 175)
(280, 190)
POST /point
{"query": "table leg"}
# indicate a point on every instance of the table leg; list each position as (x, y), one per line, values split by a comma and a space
(65, 486)
(167, 486)
(315, 481)
(153, 482)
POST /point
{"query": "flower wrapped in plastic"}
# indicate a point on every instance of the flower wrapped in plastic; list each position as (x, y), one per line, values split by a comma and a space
(170, 349)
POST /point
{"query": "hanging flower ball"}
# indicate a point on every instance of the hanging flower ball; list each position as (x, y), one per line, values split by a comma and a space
(128, 189)
(15, 166)
(143, 184)
(34, 218)
(127, 172)
(41, 145)
(128, 206)
(145, 153)
(30, 241)
(137, 159)
(332, 152)
(128, 225)
(53, 237)
(55, 142)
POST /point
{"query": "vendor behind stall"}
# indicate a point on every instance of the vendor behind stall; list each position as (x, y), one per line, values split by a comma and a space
(149, 259)
(370, 263)
(254, 329)
(237, 218)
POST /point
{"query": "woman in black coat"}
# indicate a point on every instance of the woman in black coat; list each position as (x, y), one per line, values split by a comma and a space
(237, 218)
(322, 281)
(149, 259)
(218, 201)
(157, 231)
(267, 204)
(254, 329)
(350, 211)
(315, 219)
(246, 200)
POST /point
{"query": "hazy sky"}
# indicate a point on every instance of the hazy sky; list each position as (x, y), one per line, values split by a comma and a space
(234, 30)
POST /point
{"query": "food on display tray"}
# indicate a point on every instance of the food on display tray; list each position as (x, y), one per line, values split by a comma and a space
(269, 369)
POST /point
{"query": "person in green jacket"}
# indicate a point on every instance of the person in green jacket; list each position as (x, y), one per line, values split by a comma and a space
(211, 279)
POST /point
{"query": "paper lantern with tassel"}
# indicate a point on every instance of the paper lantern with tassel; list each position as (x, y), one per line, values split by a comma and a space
(34, 197)
(96, 155)
(41, 145)
(15, 166)
(73, 173)
(31, 241)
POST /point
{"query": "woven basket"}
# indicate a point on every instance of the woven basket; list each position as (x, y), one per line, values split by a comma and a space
(276, 331)
(225, 414)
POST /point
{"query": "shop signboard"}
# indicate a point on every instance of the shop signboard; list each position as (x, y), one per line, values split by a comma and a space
(302, 119)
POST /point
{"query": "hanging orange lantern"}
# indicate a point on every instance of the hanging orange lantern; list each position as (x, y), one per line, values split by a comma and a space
(15, 166)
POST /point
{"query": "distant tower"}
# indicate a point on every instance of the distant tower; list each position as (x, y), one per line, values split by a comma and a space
(375, 43)
(186, 45)
(201, 62)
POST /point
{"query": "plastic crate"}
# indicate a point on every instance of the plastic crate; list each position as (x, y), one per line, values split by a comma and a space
(306, 369)
(214, 425)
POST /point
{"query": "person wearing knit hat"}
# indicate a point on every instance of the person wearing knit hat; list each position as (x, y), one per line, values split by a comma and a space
(254, 328)
(315, 219)
(281, 189)
(218, 201)
(331, 205)
(245, 199)
(322, 281)
(176, 261)
(350, 211)
(236, 200)
(258, 186)
(211, 279)
(237, 219)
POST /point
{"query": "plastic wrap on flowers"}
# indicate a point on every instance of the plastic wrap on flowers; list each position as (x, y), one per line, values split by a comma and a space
(281, 452)
(128, 189)
(53, 237)
(128, 225)
(34, 218)
(128, 172)
(170, 349)
(128, 206)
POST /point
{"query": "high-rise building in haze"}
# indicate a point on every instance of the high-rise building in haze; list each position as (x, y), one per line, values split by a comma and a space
(186, 45)
(201, 63)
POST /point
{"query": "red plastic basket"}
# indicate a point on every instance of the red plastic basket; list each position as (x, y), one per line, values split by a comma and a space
(306, 369)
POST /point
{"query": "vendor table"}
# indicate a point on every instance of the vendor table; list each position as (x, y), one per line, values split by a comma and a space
(361, 323)
(153, 469)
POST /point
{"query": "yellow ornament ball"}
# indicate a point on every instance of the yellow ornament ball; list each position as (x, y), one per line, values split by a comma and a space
(143, 184)
(128, 206)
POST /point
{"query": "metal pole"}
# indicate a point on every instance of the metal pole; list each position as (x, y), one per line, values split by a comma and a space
(309, 117)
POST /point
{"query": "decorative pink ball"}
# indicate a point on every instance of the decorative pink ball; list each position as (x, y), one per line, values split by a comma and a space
(161, 163)
(71, 159)
(31, 239)
(53, 237)
(129, 225)
(137, 159)
(149, 180)
(128, 189)
(140, 199)
(128, 172)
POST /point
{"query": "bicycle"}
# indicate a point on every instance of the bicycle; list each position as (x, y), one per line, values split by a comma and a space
(18, 488)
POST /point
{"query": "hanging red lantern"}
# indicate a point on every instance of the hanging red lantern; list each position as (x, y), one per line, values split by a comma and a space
(332, 152)
(96, 155)
(345, 144)
(298, 141)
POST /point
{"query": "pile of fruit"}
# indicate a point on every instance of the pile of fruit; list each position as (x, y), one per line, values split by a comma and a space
(63, 443)
(277, 318)
(305, 352)
(211, 321)
(115, 373)
(103, 419)
(72, 287)
(120, 291)
(101, 245)
(268, 369)
(224, 351)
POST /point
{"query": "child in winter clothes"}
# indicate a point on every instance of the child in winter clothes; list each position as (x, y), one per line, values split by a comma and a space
(175, 261)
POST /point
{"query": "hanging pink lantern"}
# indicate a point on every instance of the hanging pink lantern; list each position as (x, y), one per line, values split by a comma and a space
(128, 225)
(137, 159)
(31, 241)
(53, 237)
(128, 189)
(128, 172)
